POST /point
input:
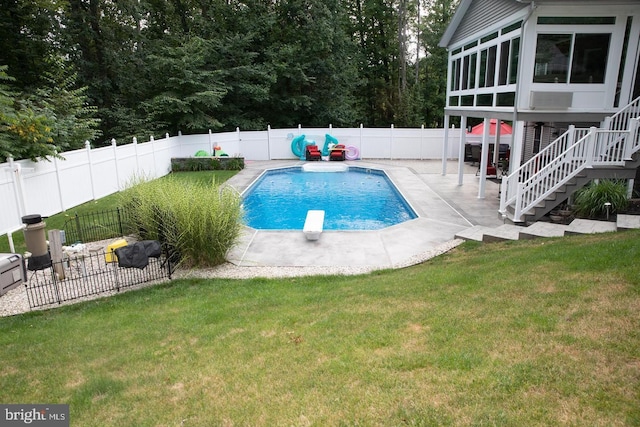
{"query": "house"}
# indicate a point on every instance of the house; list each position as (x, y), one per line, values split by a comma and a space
(566, 74)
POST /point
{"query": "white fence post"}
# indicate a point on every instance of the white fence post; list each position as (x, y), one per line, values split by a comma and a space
(87, 146)
(269, 142)
(115, 161)
(135, 150)
(422, 142)
(59, 184)
(12, 247)
(361, 143)
(18, 187)
(153, 155)
(239, 137)
(391, 143)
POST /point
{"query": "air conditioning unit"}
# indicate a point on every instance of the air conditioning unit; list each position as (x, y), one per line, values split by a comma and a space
(550, 100)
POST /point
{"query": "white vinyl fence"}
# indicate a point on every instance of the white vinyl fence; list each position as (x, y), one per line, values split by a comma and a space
(51, 186)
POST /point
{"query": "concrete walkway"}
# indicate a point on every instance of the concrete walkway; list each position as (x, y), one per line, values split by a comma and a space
(444, 209)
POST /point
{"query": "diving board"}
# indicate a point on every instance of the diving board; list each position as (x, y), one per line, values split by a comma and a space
(313, 224)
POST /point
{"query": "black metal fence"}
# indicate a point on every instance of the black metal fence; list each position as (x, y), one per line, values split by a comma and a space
(96, 226)
(84, 274)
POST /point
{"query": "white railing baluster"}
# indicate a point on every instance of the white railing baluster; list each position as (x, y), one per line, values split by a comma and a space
(632, 146)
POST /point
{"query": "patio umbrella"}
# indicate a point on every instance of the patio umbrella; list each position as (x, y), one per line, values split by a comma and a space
(478, 129)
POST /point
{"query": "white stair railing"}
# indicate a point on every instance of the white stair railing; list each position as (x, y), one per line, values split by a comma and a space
(565, 157)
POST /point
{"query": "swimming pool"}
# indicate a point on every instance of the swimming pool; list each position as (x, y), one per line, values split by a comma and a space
(353, 198)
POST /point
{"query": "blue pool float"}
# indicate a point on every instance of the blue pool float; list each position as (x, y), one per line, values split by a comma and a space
(328, 140)
(297, 146)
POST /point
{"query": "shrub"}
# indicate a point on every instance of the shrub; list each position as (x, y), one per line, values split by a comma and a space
(590, 201)
(235, 164)
(200, 221)
(194, 164)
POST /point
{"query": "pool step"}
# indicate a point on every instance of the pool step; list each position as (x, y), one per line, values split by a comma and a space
(325, 167)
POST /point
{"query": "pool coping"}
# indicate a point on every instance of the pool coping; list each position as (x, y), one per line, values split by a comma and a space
(443, 207)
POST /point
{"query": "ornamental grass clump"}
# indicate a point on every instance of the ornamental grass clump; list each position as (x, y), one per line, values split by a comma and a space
(590, 201)
(198, 221)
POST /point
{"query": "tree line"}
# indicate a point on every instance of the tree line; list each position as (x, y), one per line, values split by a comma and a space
(76, 70)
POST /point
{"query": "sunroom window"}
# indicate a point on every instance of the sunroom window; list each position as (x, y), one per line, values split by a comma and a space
(573, 58)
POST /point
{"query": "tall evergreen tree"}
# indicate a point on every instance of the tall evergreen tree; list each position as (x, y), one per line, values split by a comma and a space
(312, 56)
(29, 34)
(434, 79)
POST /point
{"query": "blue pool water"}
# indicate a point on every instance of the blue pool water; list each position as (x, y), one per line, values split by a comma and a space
(356, 199)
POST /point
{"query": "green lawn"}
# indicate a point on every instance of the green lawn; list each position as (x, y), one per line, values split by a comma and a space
(535, 333)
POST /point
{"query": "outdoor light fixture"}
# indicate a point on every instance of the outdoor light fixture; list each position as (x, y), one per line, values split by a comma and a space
(607, 206)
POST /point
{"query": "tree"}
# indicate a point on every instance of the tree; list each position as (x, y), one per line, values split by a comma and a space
(189, 87)
(73, 119)
(24, 132)
(375, 26)
(29, 33)
(435, 62)
(53, 119)
(314, 60)
(104, 40)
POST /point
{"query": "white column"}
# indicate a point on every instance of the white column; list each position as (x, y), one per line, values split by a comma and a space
(463, 141)
(517, 142)
(496, 148)
(445, 144)
(484, 159)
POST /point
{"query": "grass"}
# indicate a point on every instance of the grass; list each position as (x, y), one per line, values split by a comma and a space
(107, 203)
(535, 333)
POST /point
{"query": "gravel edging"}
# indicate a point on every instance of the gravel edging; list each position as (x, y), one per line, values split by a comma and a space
(15, 301)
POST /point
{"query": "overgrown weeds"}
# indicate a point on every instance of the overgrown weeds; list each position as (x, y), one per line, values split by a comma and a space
(200, 221)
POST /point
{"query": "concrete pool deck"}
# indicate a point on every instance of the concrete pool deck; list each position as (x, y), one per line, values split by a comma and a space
(444, 209)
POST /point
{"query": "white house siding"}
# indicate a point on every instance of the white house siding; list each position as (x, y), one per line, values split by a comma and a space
(483, 14)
